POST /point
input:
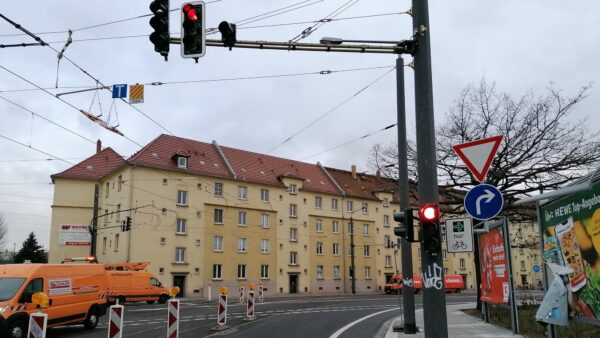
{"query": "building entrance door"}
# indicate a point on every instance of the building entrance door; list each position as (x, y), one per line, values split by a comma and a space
(293, 283)
(179, 281)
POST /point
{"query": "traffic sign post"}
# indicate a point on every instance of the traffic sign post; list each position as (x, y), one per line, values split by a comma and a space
(478, 155)
(483, 202)
(459, 235)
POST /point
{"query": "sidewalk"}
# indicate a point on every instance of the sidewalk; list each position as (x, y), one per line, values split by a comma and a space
(460, 324)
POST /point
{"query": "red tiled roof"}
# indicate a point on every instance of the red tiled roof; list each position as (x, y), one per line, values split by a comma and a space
(94, 167)
(203, 158)
(266, 169)
(363, 186)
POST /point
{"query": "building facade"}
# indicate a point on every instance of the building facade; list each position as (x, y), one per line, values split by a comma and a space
(207, 216)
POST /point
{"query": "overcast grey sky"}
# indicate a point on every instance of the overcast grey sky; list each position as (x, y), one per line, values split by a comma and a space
(522, 45)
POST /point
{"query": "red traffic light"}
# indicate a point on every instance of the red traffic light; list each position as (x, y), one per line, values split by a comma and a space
(190, 12)
(429, 212)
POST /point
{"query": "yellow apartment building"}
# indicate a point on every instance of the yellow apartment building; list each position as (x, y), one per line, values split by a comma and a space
(207, 216)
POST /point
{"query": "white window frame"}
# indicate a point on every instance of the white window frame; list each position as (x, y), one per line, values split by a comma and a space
(182, 162)
(367, 272)
(334, 204)
(386, 202)
(293, 189)
(320, 272)
(293, 258)
(120, 183)
(181, 197)
(242, 218)
(319, 225)
(264, 195)
(116, 242)
(386, 220)
(264, 246)
(349, 206)
(181, 226)
(388, 261)
(218, 216)
(264, 220)
(318, 202)
(264, 271)
(218, 189)
(179, 255)
(242, 244)
(293, 234)
(462, 263)
(365, 208)
(217, 272)
(319, 247)
(367, 250)
(241, 271)
(218, 243)
(336, 272)
(335, 227)
(365, 229)
(335, 249)
(293, 210)
(242, 192)
(445, 254)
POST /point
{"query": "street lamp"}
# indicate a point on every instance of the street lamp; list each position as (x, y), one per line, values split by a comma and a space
(352, 267)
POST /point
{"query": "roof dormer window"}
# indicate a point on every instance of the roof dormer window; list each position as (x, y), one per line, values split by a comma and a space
(182, 162)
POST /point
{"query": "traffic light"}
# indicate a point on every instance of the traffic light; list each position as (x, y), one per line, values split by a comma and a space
(160, 23)
(228, 33)
(193, 37)
(128, 223)
(429, 216)
(405, 228)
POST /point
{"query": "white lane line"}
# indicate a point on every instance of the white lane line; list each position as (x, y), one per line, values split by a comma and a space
(337, 333)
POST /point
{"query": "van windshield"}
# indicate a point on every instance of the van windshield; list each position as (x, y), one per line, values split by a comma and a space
(9, 286)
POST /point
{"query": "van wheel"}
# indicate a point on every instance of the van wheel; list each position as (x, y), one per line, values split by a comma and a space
(17, 329)
(150, 301)
(163, 299)
(121, 300)
(91, 321)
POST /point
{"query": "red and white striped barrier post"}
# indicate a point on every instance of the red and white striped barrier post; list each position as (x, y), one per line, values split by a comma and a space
(221, 311)
(260, 292)
(250, 305)
(241, 290)
(37, 325)
(115, 321)
(173, 319)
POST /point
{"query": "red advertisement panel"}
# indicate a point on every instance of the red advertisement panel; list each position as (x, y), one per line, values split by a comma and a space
(494, 271)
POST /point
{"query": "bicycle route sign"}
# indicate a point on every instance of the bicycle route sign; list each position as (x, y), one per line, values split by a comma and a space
(459, 234)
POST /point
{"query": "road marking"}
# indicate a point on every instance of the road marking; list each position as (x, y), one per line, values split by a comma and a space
(340, 331)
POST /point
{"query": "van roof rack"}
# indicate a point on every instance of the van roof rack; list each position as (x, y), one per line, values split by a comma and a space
(131, 266)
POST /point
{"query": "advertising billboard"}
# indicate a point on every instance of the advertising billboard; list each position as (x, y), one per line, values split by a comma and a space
(571, 237)
(74, 234)
(494, 270)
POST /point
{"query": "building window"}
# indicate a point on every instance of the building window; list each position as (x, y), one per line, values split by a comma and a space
(293, 209)
(349, 206)
(462, 263)
(350, 228)
(445, 254)
(445, 271)
(335, 227)
(293, 258)
(264, 246)
(264, 220)
(367, 272)
(120, 183)
(242, 218)
(107, 187)
(218, 216)
(319, 248)
(366, 251)
(218, 189)
(319, 271)
(264, 195)
(388, 261)
(318, 202)
(116, 242)
(105, 217)
(419, 253)
(334, 204)
(241, 271)
(336, 249)
(293, 189)
(365, 208)
(264, 271)
(181, 226)
(319, 225)
(293, 234)
(386, 220)
(523, 266)
(218, 243)
(386, 202)
(104, 244)
(180, 255)
(336, 271)
(242, 193)
(366, 229)
(242, 245)
(217, 271)
(182, 162)
(387, 241)
(163, 241)
(118, 212)
(181, 197)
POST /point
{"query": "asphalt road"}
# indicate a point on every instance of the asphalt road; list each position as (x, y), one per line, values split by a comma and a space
(306, 316)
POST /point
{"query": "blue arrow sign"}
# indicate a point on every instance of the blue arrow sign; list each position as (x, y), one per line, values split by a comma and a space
(536, 268)
(483, 202)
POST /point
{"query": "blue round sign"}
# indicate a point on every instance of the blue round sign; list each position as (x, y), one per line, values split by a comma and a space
(483, 202)
(536, 268)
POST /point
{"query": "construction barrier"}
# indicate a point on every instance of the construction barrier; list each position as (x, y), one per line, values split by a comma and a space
(260, 293)
(222, 310)
(115, 321)
(241, 289)
(173, 318)
(250, 305)
(37, 325)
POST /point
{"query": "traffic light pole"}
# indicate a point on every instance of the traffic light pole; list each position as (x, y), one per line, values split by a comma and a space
(434, 298)
(408, 297)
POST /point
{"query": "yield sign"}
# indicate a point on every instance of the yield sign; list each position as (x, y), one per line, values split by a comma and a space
(478, 155)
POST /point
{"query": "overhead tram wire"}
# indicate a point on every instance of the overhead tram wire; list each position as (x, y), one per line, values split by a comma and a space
(331, 110)
(308, 31)
(58, 98)
(38, 150)
(257, 77)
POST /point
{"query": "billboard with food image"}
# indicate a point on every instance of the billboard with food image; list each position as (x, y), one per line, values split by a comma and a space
(571, 237)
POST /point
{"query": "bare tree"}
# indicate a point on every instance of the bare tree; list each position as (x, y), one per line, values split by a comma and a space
(3, 232)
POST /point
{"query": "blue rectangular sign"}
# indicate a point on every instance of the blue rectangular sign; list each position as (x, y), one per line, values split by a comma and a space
(119, 91)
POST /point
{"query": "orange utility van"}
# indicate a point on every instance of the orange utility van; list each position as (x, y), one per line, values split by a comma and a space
(452, 283)
(77, 295)
(130, 282)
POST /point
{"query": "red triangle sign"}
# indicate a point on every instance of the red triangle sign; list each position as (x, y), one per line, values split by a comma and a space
(478, 154)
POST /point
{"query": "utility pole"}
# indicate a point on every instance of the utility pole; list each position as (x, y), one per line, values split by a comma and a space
(434, 301)
(408, 297)
(94, 225)
(352, 267)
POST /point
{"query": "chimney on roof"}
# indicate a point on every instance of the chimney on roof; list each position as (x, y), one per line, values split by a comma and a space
(353, 167)
(378, 173)
(98, 146)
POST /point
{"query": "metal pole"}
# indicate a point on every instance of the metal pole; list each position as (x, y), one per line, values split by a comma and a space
(434, 299)
(551, 327)
(408, 297)
(94, 229)
(511, 284)
(353, 274)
